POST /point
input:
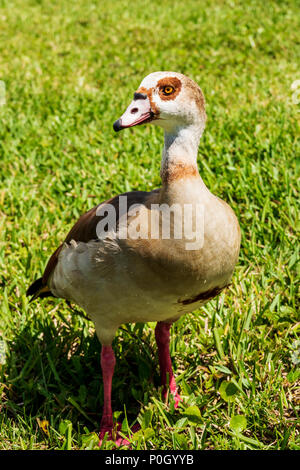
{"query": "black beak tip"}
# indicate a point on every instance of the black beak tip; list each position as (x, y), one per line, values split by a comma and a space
(118, 125)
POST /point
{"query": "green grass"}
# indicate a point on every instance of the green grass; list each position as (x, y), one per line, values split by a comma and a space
(70, 69)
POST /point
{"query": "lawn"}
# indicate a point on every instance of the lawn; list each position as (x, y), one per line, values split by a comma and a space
(68, 70)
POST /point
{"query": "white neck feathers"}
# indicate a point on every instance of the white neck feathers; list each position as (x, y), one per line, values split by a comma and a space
(180, 150)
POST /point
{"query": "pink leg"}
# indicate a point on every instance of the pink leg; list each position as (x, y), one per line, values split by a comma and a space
(108, 362)
(162, 336)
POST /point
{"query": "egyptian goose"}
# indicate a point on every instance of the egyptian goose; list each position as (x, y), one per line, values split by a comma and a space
(120, 263)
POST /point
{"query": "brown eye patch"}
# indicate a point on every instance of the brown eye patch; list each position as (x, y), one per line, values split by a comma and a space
(169, 88)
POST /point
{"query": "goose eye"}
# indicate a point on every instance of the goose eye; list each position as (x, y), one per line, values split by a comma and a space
(167, 90)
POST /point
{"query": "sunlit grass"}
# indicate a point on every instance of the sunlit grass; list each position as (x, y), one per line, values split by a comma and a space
(70, 69)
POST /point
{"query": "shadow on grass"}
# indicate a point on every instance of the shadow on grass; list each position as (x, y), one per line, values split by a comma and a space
(53, 371)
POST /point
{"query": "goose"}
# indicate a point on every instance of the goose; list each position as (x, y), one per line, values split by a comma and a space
(149, 256)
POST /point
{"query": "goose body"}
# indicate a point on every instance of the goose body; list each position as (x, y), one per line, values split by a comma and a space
(155, 280)
(132, 270)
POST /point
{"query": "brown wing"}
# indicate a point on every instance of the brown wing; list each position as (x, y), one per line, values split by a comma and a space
(83, 231)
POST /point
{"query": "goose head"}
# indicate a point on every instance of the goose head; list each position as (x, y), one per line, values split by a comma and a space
(167, 99)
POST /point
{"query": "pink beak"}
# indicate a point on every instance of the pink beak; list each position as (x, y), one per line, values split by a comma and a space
(138, 112)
